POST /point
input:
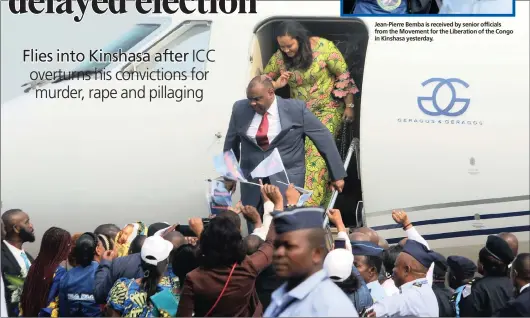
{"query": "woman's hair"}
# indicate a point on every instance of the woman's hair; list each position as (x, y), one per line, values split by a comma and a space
(221, 244)
(104, 241)
(54, 249)
(389, 258)
(491, 265)
(110, 231)
(350, 284)
(304, 57)
(71, 255)
(152, 275)
(184, 261)
(136, 244)
(85, 248)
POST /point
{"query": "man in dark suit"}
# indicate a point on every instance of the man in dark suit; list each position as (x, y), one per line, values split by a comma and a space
(263, 122)
(520, 273)
(15, 261)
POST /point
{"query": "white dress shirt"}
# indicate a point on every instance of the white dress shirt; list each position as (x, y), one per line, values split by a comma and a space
(17, 254)
(262, 231)
(274, 123)
(390, 287)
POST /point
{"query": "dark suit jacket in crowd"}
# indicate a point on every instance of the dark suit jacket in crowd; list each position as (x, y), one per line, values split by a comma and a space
(519, 307)
(10, 266)
(297, 122)
(108, 273)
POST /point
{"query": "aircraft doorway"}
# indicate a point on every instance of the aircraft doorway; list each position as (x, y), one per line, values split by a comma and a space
(351, 38)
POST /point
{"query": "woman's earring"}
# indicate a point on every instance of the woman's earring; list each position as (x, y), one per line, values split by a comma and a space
(146, 273)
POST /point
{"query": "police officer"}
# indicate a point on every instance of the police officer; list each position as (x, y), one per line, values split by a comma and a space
(368, 259)
(416, 297)
(461, 272)
(300, 250)
(484, 296)
(443, 294)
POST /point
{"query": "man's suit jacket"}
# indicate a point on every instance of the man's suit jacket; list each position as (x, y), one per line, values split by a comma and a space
(296, 122)
(11, 267)
(518, 307)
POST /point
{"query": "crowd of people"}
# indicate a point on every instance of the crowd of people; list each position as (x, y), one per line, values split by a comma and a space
(283, 268)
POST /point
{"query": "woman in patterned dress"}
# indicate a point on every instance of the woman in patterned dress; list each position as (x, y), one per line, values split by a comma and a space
(317, 73)
(131, 297)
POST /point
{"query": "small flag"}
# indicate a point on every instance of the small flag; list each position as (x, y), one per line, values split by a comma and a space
(220, 197)
(303, 198)
(227, 165)
(269, 166)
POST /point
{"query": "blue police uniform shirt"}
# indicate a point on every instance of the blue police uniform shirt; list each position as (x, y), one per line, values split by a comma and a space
(476, 7)
(317, 296)
(416, 299)
(378, 7)
(76, 293)
(376, 291)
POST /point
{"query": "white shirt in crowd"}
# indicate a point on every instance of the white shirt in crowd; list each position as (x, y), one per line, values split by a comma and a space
(274, 123)
(262, 231)
(390, 287)
(416, 299)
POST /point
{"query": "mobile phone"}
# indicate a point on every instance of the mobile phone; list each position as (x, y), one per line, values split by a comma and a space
(340, 243)
(185, 230)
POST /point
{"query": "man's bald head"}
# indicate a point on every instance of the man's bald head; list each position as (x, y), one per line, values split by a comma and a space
(372, 235)
(260, 94)
(262, 80)
(9, 217)
(176, 238)
(18, 226)
(383, 243)
(360, 237)
(512, 241)
(407, 269)
(252, 242)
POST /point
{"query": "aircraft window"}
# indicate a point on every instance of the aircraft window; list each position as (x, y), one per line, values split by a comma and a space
(126, 42)
(196, 38)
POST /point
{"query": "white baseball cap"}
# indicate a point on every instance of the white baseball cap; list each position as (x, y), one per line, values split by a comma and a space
(155, 250)
(338, 264)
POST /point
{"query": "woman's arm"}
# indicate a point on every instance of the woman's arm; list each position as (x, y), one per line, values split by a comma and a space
(274, 68)
(344, 87)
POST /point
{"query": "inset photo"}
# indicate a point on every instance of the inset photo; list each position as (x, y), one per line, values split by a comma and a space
(428, 7)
